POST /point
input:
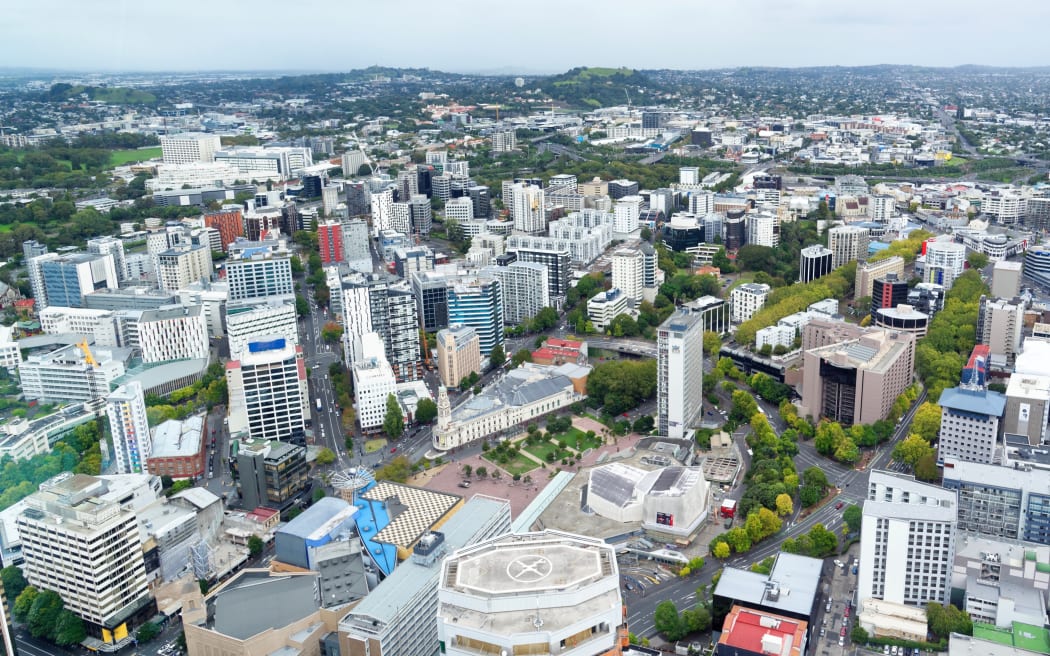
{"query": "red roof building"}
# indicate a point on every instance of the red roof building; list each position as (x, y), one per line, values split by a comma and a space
(747, 632)
(557, 351)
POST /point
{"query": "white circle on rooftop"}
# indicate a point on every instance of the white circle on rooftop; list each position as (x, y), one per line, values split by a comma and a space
(529, 569)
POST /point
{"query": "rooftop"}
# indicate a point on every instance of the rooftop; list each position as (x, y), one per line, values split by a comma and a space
(517, 387)
(976, 401)
(763, 633)
(319, 519)
(1022, 636)
(791, 586)
(256, 601)
(175, 438)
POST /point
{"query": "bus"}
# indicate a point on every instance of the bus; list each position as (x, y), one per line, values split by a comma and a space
(318, 405)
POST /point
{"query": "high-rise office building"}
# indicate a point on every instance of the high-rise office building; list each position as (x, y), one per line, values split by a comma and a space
(625, 214)
(847, 243)
(271, 474)
(889, 291)
(246, 322)
(114, 247)
(689, 175)
(330, 242)
(814, 262)
(762, 229)
(189, 148)
(479, 199)
(329, 199)
(421, 217)
(374, 381)
(458, 354)
(971, 424)
(1027, 410)
(259, 273)
(478, 303)
(89, 551)
(268, 393)
(384, 304)
(907, 545)
(66, 279)
(132, 443)
(867, 272)
(431, 292)
(557, 262)
(621, 188)
(357, 198)
(176, 332)
(178, 267)
(680, 371)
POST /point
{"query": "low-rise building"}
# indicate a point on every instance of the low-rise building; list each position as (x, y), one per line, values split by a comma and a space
(179, 448)
(605, 306)
(747, 299)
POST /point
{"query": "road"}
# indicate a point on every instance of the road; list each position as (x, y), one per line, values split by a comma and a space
(852, 485)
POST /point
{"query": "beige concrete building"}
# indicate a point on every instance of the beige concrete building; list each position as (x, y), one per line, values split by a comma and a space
(869, 271)
(258, 613)
(847, 243)
(458, 354)
(856, 381)
(1000, 325)
(1006, 279)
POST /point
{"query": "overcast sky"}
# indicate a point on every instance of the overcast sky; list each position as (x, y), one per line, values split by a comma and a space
(526, 36)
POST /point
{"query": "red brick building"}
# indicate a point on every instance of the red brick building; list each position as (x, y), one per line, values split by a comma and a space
(229, 223)
(179, 449)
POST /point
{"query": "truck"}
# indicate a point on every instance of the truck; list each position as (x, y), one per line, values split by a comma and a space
(728, 508)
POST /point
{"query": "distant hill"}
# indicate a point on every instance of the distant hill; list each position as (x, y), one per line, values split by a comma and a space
(597, 87)
(114, 95)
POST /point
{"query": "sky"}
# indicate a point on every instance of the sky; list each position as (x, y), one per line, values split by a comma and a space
(533, 36)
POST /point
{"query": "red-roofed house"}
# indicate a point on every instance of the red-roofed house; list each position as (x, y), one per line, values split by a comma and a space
(747, 632)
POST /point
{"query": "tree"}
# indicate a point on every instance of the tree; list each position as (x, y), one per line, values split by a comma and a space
(69, 629)
(911, 450)
(712, 343)
(620, 385)
(397, 470)
(325, 457)
(816, 477)
(497, 357)
(13, 581)
(426, 411)
(944, 620)
(255, 546)
(977, 260)
(481, 472)
(667, 621)
(697, 618)
(720, 550)
(744, 407)
(331, 332)
(927, 421)
(394, 422)
(467, 470)
(24, 603)
(926, 468)
(822, 541)
(302, 306)
(784, 504)
(852, 517)
(44, 613)
(147, 632)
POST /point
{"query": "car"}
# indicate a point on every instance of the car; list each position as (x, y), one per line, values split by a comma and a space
(894, 650)
(393, 449)
(845, 613)
(886, 649)
(827, 609)
(838, 506)
(842, 641)
(842, 631)
(211, 475)
(838, 563)
(709, 413)
(464, 484)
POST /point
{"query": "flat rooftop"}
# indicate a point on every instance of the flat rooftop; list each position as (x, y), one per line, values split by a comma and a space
(526, 564)
(175, 438)
(257, 601)
(791, 586)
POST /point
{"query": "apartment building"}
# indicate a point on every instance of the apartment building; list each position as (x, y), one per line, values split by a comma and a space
(132, 441)
(1000, 325)
(374, 381)
(747, 299)
(907, 545)
(605, 306)
(228, 221)
(945, 261)
(814, 262)
(525, 287)
(1006, 279)
(868, 272)
(628, 272)
(847, 244)
(248, 321)
(175, 332)
(259, 273)
(270, 473)
(680, 371)
(1004, 502)
(528, 211)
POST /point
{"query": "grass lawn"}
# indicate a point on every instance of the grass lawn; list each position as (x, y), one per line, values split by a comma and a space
(577, 439)
(519, 464)
(738, 279)
(542, 449)
(371, 446)
(121, 157)
(5, 227)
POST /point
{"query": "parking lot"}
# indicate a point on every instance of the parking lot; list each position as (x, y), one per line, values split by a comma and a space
(838, 611)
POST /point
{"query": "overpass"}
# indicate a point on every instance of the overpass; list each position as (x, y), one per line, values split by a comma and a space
(625, 346)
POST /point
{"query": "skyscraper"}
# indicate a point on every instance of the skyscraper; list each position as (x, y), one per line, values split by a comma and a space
(478, 303)
(126, 408)
(114, 247)
(528, 209)
(679, 372)
(268, 394)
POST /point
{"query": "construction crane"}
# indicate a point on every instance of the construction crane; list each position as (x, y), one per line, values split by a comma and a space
(628, 100)
(368, 160)
(88, 357)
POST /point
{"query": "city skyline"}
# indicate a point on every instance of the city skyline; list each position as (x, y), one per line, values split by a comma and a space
(124, 37)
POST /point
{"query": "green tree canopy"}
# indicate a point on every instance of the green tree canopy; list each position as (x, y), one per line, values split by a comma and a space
(394, 422)
(426, 411)
(255, 546)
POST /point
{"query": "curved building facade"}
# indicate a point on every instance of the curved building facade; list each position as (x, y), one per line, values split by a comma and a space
(904, 318)
(1037, 264)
